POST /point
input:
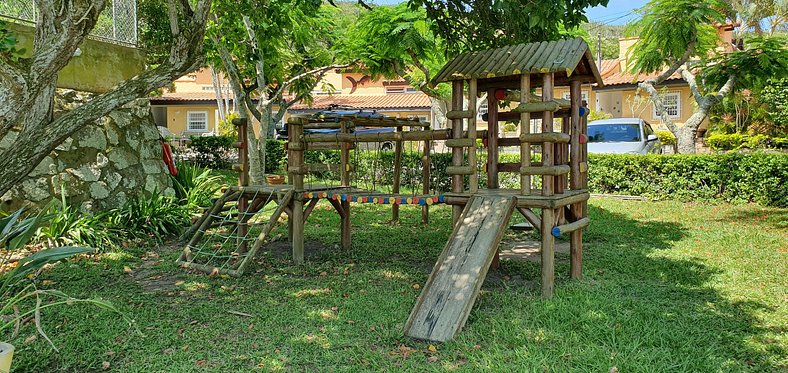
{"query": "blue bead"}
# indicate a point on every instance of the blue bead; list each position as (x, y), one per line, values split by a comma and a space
(556, 232)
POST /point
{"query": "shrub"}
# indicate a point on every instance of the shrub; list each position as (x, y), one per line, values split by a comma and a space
(666, 138)
(150, 215)
(736, 141)
(275, 159)
(734, 177)
(213, 151)
(194, 185)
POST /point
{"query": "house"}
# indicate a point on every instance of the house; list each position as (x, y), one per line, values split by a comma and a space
(190, 108)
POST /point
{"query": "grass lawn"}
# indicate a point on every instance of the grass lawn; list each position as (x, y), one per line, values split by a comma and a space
(668, 287)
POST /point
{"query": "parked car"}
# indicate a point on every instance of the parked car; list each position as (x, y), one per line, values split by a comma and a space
(622, 135)
(281, 129)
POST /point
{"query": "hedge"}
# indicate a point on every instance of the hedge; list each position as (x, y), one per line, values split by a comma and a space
(735, 177)
(737, 141)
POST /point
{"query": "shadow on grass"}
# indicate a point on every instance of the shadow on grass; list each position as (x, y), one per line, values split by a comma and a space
(772, 217)
(640, 305)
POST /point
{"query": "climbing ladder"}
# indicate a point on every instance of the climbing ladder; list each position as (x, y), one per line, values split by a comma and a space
(219, 242)
(451, 290)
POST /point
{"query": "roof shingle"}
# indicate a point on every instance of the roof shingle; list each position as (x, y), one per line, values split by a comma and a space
(390, 101)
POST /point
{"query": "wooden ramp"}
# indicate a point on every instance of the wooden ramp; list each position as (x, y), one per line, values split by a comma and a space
(448, 296)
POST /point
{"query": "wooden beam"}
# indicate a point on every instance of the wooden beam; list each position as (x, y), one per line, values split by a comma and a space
(379, 136)
(456, 153)
(547, 126)
(473, 180)
(554, 137)
(492, 140)
(461, 114)
(397, 175)
(525, 129)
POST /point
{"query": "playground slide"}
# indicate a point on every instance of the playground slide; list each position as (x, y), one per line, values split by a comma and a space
(448, 296)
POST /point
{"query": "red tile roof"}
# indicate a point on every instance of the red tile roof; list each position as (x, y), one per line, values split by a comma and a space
(608, 67)
(390, 101)
(186, 96)
(620, 78)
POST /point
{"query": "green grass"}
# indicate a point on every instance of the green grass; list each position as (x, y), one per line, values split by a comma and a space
(668, 287)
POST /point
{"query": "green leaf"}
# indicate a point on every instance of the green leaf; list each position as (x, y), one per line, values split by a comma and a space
(36, 261)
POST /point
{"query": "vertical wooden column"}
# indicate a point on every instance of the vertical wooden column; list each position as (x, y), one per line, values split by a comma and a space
(575, 182)
(296, 168)
(345, 180)
(456, 153)
(473, 180)
(243, 180)
(525, 128)
(492, 140)
(397, 176)
(548, 215)
(547, 126)
(425, 179)
(562, 157)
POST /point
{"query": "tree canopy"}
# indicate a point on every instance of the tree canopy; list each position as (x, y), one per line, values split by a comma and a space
(473, 25)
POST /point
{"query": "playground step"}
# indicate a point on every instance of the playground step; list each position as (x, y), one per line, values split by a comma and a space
(451, 290)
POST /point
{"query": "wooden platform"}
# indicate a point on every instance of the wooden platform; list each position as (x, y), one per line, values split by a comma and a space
(448, 296)
(535, 199)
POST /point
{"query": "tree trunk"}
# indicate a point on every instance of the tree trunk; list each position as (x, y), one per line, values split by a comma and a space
(439, 109)
(685, 140)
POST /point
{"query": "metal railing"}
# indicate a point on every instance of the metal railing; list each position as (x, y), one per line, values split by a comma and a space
(117, 23)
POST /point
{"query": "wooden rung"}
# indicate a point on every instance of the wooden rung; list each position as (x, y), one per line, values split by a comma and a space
(321, 167)
(237, 145)
(545, 170)
(295, 146)
(328, 145)
(297, 121)
(460, 143)
(238, 167)
(459, 170)
(239, 121)
(298, 170)
(554, 137)
(322, 125)
(460, 114)
(583, 167)
(570, 227)
(532, 107)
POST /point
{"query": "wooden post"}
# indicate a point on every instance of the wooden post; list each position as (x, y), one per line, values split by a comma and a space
(243, 180)
(548, 253)
(456, 153)
(425, 180)
(562, 157)
(473, 179)
(345, 205)
(397, 175)
(576, 181)
(547, 126)
(492, 140)
(296, 162)
(525, 128)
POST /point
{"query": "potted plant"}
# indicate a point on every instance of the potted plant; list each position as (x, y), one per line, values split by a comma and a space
(275, 178)
(18, 286)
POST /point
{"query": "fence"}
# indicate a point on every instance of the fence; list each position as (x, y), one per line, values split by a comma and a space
(117, 23)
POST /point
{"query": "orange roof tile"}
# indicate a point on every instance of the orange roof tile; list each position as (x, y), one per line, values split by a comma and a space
(623, 77)
(187, 96)
(608, 67)
(390, 101)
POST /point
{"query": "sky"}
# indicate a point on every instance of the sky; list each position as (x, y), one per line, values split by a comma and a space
(617, 12)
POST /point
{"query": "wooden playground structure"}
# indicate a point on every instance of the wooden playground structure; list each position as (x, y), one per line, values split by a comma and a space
(480, 215)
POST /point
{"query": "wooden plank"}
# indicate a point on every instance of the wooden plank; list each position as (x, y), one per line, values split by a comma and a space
(555, 137)
(548, 253)
(425, 180)
(460, 114)
(547, 126)
(450, 292)
(397, 176)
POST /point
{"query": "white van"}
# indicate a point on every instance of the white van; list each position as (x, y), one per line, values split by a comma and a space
(622, 135)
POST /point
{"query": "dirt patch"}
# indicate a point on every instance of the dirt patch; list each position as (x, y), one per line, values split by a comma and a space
(528, 249)
(282, 249)
(150, 278)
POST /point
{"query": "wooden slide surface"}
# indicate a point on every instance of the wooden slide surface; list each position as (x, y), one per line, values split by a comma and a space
(448, 296)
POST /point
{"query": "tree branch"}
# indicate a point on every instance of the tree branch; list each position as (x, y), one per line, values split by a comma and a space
(281, 88)
(659, 106)
(677, 64)
(689, 77)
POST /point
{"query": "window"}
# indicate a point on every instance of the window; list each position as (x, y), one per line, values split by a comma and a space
(583, 96)
(672, 102)
(197, 121)
(400, 89)
(647, 130)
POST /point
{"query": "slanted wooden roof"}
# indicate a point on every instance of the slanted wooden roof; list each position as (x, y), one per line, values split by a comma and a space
(564, 57)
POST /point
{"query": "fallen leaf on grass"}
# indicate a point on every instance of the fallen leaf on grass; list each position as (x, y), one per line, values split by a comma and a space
(415, 286)
(432, 359)
(200, 363)
(432, 349)
(127, 269)
(168, 351)
(105, 365)
(179, 283)
(31, 339)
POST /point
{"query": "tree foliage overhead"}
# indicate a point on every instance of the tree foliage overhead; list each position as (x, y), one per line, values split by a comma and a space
(481, 24)
(674, 30)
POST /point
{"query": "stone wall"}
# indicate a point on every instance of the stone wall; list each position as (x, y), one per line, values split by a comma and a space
(101, 165)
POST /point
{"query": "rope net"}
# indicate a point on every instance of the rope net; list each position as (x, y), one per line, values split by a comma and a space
(230, 233)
